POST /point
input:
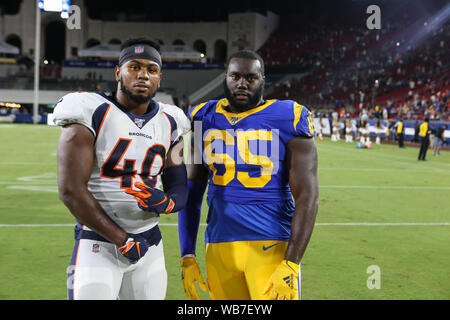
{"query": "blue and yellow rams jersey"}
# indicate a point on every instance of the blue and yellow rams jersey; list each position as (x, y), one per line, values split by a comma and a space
(245, 152)
(228, 221)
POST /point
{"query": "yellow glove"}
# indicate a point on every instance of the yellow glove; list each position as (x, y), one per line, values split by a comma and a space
(190, 274)
(283, 284)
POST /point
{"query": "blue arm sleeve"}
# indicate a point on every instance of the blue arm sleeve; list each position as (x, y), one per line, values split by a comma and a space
(174, 181)
(189, 218)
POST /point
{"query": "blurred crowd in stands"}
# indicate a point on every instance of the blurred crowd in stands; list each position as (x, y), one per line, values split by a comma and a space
(401, 70)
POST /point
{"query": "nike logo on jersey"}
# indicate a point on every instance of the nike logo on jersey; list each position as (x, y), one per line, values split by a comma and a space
(267, 248)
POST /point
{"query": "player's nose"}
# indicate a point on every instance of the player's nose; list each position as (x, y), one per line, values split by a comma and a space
(242, 83)
(143, 74)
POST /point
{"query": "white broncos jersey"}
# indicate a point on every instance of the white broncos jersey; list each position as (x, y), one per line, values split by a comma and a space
(128, 148)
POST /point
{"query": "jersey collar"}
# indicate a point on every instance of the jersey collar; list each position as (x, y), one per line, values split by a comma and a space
(234, 118)
(139, 121)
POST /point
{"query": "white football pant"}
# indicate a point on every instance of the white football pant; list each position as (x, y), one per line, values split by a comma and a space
(101, 272)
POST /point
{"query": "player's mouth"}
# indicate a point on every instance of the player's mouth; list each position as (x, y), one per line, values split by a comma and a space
(141, 86)
(241, 96)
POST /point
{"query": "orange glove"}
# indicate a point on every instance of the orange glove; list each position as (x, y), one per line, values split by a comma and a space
(151, 199)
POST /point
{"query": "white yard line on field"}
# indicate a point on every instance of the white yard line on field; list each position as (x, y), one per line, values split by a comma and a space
(398, 170)
(382, 224)
(43, 163)
(52, 187)
(386, 187)
(361, 224)
(21, 183)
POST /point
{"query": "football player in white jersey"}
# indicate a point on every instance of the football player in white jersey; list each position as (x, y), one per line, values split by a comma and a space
(111, 152)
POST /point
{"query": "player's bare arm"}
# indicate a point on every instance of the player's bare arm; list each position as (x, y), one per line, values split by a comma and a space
(175, 154)
(302, 165)
(75, 161)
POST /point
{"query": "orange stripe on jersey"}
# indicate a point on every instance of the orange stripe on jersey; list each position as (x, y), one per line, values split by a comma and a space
(170, 124)
(101, 123)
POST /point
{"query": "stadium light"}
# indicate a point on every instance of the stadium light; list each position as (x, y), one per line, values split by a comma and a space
(54, 5)
(62, 6)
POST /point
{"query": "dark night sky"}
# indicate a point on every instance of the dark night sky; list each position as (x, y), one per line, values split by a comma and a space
(199, 10)
(208, 10)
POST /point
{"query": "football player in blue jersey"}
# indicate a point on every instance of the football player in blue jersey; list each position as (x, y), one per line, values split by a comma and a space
(259, 162)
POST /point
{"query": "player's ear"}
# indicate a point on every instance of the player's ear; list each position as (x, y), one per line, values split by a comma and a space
(117, 73)
(160, 78)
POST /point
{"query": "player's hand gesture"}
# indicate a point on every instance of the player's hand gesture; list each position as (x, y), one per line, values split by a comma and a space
(134, 247)
(190, 274)
(151, 199)
(283, 284)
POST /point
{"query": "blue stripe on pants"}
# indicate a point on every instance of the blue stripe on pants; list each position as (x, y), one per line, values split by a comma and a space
(71, 270)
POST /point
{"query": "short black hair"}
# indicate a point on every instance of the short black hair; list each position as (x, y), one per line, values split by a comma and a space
(135, 41)
(246, 54)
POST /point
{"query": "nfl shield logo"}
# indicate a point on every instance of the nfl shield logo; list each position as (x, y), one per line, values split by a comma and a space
(138, 49)
(139, 122)
(95, 247)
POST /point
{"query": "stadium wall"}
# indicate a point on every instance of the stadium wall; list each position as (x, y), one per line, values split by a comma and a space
(255, 27)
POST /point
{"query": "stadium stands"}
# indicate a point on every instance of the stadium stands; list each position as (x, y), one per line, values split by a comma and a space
(352, 67)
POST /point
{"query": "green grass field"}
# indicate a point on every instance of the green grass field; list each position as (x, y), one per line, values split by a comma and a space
(377, 207)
